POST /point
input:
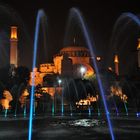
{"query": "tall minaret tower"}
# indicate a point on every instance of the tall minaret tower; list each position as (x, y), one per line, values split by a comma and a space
(116, 63)
(13, 47)
(138, 49)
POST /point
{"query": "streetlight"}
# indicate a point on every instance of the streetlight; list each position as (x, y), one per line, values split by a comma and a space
(59, 81)
(82, 70)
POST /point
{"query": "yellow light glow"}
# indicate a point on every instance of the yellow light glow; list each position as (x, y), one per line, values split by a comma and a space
(109, 68)
(138, 47)
(5, 103)
(118, 92)
(14, 32)
(116, 60)
(6, 100)
(87, 101)
(25, 93)
(98, 58)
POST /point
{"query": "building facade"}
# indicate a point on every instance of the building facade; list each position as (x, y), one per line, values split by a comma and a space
(67, 63)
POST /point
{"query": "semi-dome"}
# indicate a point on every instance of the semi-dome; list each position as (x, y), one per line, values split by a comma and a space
(74, 48)
(73, 51)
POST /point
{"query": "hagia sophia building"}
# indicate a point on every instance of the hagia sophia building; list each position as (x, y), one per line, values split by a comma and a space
(70, 61)
(67, 63)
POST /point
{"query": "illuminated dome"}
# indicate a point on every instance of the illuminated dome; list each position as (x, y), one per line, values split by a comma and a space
(80, 58)
(75, 51)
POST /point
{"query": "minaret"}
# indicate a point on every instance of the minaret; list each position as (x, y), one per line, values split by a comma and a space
(138, 49)
(116, 63)
(13, 47)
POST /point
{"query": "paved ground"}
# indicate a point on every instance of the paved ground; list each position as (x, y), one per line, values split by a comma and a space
(70, 128)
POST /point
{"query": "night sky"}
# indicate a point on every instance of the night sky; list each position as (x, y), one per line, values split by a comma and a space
(100, 17)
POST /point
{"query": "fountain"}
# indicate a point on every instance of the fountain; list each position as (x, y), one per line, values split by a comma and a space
(123, 23)
(40, 15)
(53, 106)
(59, 109)
(67, 84)
(75, 13)
(117, 112)
(97, 104)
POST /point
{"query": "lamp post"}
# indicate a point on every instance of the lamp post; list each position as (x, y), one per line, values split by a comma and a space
(82, 71)
(59, 82)
(62, 100)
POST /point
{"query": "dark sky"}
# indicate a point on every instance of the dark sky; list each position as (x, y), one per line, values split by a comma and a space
(100, 16)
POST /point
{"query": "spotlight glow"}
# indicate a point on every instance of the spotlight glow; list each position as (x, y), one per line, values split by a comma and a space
(82, 70)
(59, 81)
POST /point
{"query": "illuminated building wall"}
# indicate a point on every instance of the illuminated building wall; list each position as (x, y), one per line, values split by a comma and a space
(79, 57)
(57, 62)
(77, 54)
(66, 63)
(13, 46)
(35, 77)
(48, 68)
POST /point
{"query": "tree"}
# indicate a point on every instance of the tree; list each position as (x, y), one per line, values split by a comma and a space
(22, 75)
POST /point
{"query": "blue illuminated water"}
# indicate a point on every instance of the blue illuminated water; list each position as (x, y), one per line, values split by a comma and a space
(98, 109)
(53, 110)
(40, 15)
(126, 109)
(62, 103)
(5, 113)
(67, 84)
(127, 17)
(75, 13)
(125, 20)
(116, 108)
(24, 114)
